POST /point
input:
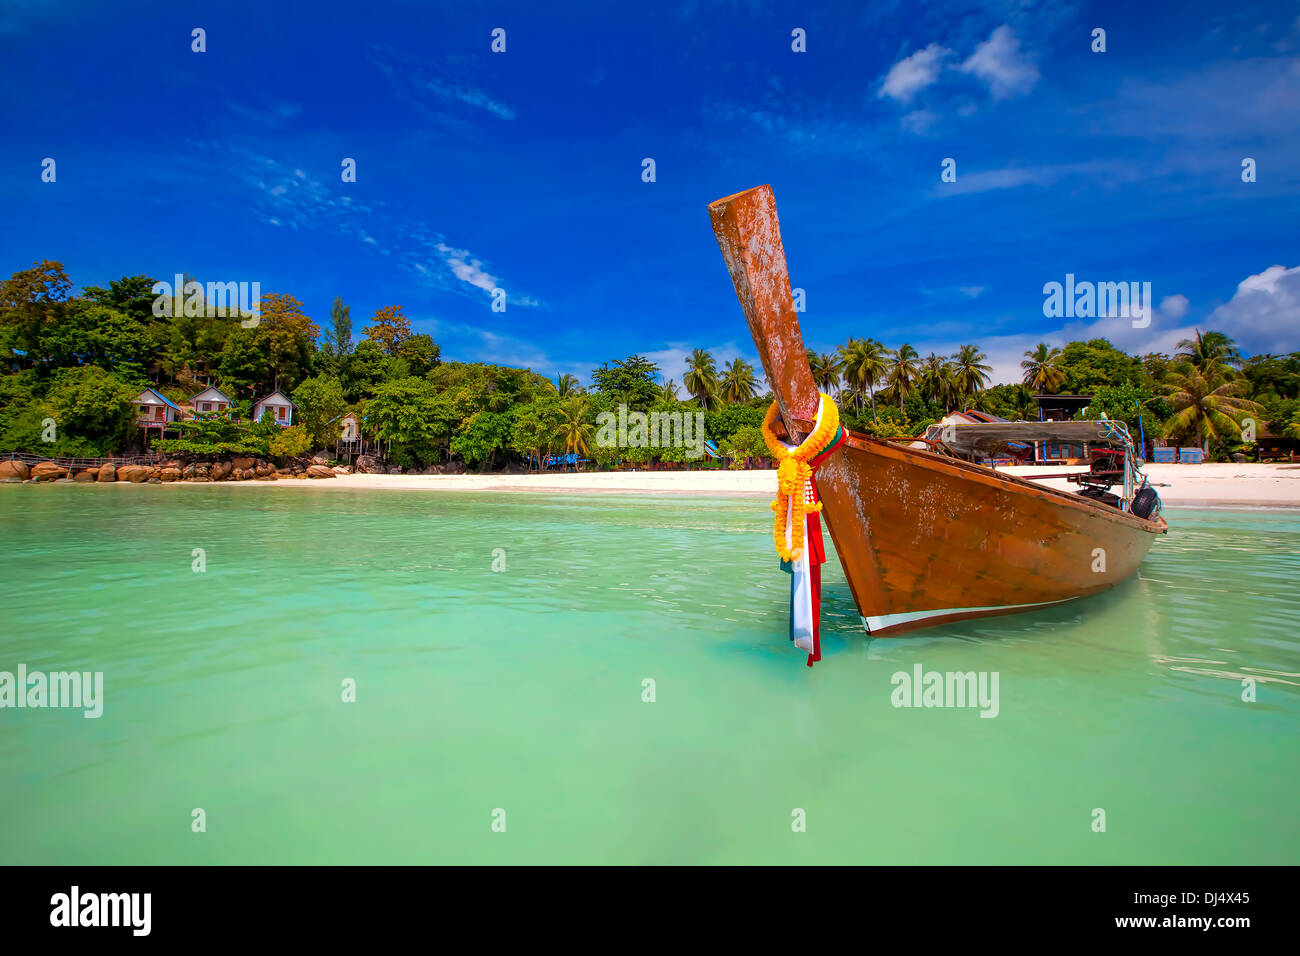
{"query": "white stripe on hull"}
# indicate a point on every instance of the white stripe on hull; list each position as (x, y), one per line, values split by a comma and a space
(873, 624)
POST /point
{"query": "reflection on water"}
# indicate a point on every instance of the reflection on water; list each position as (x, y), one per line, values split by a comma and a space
(522, 689)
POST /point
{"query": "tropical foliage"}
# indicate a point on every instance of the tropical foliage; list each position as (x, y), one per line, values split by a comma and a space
(73, 364)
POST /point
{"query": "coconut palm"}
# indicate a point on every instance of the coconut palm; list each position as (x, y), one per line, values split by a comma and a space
(936, 381)
(903, 373)
(1208, 352)
(1043, 371)
(701, 378)
(668, 391)
(864, 366)
(969, 373)
(1206, 406)
(574, 430)
(738, 384)
(566, 385)
(825, 370)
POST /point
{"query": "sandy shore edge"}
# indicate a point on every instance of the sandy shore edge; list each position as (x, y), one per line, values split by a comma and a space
(1209, 485)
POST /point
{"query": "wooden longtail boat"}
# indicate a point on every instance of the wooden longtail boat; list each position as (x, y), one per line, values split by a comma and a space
(924, 536)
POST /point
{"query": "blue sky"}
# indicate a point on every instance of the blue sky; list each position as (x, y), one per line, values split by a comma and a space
(522, 170)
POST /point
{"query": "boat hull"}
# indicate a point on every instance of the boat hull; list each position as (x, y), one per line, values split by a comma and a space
(926, 540)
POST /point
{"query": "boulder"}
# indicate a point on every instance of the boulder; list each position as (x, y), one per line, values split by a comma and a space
(107, 473)
(243, 464)
(263, 469)
(87, 474)
(133, 473)
(15, 469)
(155, 471)
(155, 481)
(48, 471)
(243, 474)
(320, 471)
(170, 474)
(342, 470)
(220, 470)
(366, 465)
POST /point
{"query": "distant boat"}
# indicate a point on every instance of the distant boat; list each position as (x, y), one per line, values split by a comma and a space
(925, 533)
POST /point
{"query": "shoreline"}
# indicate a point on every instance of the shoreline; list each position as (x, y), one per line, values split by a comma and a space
(1214, 485)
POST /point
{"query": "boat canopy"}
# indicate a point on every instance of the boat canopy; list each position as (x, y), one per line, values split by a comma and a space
(985, 438)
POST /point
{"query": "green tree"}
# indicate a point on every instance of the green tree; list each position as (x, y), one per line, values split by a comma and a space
(1206, 407)
(903, 373)
(1090, 365)
(631, 381)
(1042, 367)
(317, 403)
(701, 378)
(483, 437)
(865, 363)
(738, 384)
(825, 371)
(420, 352)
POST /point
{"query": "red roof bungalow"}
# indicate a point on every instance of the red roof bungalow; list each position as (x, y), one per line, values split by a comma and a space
(211, 399)
(155, 410)
(278, 404)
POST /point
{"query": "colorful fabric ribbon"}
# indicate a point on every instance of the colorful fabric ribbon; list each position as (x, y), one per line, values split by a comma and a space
(797, 529)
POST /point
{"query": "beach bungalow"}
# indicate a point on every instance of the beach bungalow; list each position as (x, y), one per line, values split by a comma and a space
(212, 399)
(1060, 408)
(155, 410)
(349, 428)
(278, 404)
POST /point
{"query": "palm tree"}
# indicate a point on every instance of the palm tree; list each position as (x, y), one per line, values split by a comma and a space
(566, 385)
(1206, 405)
(969, 373)
(936, 381)
(668, 391)
(864, 364)
(903, 372)
(574, 429)
(701, 378)
(738, 384)
(825, 370)
(1212, 351)
(1043, 371)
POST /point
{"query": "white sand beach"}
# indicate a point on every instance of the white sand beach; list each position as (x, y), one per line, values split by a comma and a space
(1224, 485)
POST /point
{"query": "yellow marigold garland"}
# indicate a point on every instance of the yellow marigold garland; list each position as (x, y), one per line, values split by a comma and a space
(793, 474)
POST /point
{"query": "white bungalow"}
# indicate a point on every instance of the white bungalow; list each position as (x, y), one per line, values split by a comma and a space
(155, 410)
(349, 428)
(278, 404)
(211, 399)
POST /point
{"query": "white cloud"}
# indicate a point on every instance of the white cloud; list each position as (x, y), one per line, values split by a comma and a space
(1174, 306)
(914, 73)
(1001, 64)
(919, 122)
(1264, 314)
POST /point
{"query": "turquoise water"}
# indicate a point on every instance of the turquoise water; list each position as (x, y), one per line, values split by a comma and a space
(521, 690)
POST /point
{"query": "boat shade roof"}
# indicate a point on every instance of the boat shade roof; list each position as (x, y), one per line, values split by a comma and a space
(987, 437)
